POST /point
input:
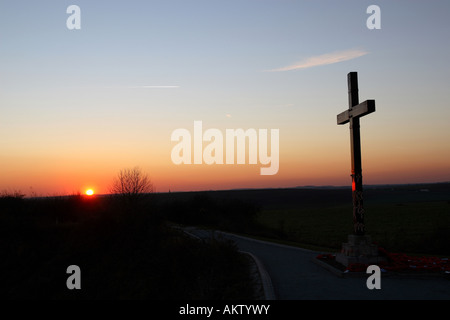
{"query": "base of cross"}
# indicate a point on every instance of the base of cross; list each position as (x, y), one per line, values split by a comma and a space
(359, 249)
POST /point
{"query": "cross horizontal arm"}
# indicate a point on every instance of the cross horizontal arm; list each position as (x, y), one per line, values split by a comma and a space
(357, 111)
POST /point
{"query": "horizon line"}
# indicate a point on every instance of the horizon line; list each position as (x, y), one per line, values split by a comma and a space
(256, 188)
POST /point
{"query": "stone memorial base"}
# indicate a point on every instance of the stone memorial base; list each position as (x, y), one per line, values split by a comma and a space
(359, 249)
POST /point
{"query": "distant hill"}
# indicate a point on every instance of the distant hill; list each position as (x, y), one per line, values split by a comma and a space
(317, 195)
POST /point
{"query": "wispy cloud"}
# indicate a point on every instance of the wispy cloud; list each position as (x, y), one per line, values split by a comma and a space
(121, 87)
(324, 59)
(153, 87)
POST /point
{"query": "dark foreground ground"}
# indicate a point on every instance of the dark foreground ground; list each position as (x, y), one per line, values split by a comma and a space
(130, 251)
(124, 252)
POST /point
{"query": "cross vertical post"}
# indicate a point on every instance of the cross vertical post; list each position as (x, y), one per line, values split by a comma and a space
(355, 111)
(355, 143)
(359, 248)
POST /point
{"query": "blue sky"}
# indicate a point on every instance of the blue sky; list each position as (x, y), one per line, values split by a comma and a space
(64, 93)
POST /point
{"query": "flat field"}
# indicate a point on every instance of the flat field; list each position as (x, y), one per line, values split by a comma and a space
(400, 218)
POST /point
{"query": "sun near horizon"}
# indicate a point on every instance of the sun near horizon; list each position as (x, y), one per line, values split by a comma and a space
(89, 192)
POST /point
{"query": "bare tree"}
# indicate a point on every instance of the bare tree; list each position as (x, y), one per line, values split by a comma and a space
(131, 183)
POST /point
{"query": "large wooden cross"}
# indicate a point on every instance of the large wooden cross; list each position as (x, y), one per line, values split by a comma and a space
(355, 111)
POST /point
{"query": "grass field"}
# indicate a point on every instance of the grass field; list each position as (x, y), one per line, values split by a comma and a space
(405, 218)
(419, 227)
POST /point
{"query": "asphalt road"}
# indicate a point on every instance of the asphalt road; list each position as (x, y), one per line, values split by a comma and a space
(295, 277)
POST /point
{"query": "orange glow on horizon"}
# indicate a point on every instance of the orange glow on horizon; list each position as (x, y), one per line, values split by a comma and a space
(300, 165)
(89, 192)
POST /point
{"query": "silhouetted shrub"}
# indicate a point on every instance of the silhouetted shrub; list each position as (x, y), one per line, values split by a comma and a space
(11, 202)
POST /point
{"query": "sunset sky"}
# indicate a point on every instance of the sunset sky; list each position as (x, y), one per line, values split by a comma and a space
(77, 106)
